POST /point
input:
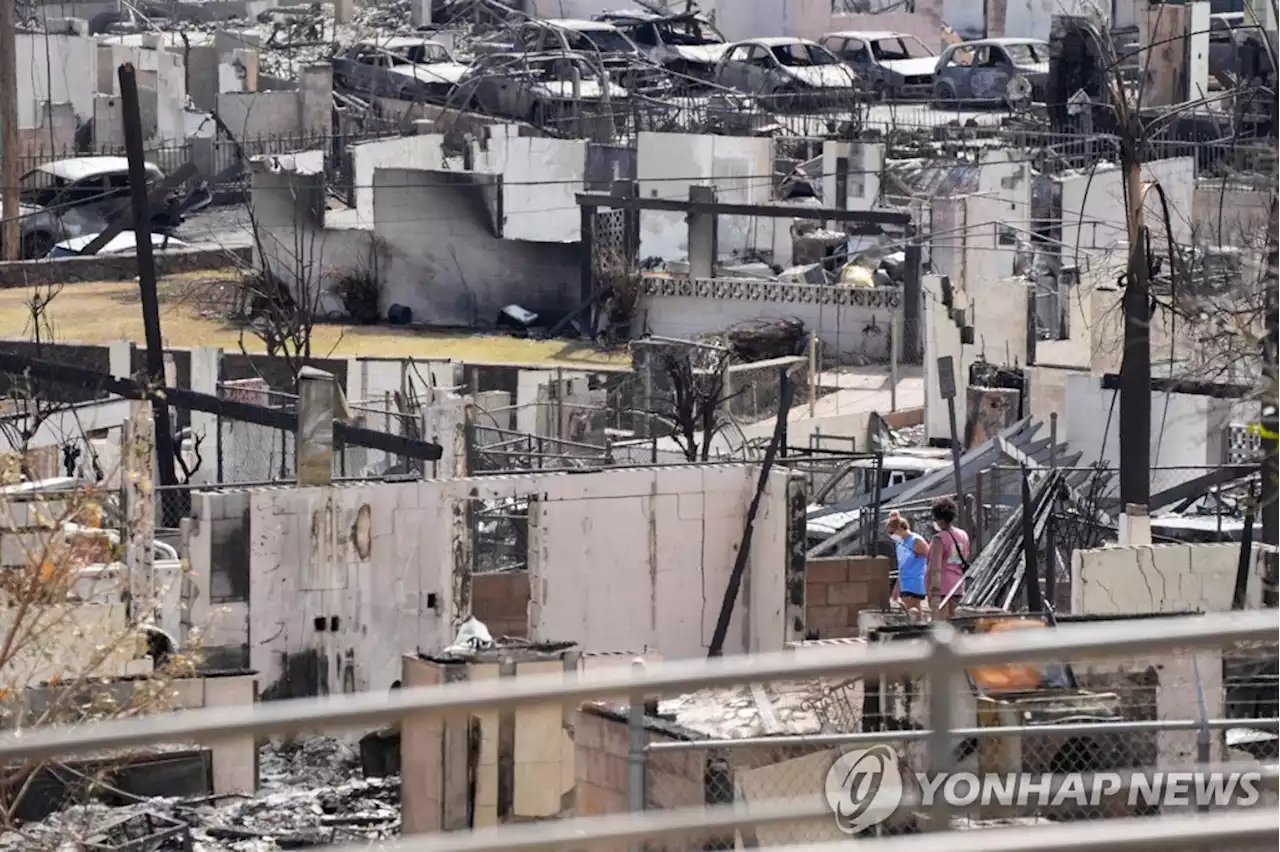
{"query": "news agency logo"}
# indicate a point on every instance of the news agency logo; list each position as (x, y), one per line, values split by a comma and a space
(865, 786)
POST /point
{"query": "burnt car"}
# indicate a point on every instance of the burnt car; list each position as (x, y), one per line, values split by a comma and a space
(791, 73)
(542, 89)
(599, 41)
(403, 67)
(75, 197)
(1009, 71)
(889, 64)
(686, 44)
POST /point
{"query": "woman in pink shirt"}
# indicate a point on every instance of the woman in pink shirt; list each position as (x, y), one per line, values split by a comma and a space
(948, 559)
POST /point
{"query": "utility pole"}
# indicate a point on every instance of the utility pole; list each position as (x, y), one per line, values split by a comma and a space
(10, 230)
(131, 112)
(1135, 368)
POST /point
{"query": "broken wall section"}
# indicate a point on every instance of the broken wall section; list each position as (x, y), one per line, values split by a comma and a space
(623, 558)
(1162, 578)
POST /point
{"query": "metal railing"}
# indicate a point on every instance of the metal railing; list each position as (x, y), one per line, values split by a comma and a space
(939, 658)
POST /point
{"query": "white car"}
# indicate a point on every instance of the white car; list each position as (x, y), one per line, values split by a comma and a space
(125, 242)
(685, 43)
(790, 73)
(404, 67)
(890, 64)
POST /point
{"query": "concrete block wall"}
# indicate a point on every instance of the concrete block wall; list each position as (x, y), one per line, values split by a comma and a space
(852, 323)
(340, 574)
(501, 600)
(536, 744)
(675, 779)
(1165, 578)
(234, 759)
(836, 589)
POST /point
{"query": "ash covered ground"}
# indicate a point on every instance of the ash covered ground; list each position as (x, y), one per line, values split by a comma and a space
(312, 793)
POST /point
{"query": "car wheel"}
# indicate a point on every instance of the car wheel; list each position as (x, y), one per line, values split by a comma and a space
(36, 245)
(944, 95)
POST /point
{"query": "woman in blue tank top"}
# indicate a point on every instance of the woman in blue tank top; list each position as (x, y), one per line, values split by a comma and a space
(913, 560)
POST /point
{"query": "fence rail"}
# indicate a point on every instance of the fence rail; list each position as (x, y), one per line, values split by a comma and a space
(939, 658)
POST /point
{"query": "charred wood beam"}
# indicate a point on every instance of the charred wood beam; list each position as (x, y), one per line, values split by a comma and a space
(776, 211)
(191, 400)
(155, 201)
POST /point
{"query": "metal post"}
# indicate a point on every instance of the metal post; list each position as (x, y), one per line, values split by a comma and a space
(947, 389)
(1053, 440)
(942, 684)
(1204, 739)
(895, 355)
(636, 745)
(813, 374)
(1030, 574)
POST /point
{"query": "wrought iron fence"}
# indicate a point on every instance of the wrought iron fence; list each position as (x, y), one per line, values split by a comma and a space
(216, 157)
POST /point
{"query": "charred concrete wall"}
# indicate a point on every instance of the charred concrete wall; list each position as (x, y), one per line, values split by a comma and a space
(618, 559)
(442, 259)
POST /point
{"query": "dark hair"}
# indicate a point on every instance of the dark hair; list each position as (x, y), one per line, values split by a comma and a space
(944, 510)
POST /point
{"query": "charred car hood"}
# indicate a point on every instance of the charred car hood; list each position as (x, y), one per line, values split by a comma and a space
(1056, 707)
(824, 76)
(703, 54)
(912, 67)
(437, 72)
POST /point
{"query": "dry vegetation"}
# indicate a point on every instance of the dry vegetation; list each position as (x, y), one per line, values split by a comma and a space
(192, 314)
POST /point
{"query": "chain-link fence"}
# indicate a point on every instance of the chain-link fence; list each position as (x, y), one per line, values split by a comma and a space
(1072, 726)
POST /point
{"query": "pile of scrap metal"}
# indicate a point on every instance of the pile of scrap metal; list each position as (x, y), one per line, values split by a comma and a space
(845, 527)
(998, 573)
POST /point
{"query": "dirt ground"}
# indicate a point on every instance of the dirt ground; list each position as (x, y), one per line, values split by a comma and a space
(193, 312)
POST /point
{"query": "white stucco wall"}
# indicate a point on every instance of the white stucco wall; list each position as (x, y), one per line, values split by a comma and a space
(67, 73)
(1093, 207)
(1186, 430)
(540, 178)
(741, 170)
(1161, 578)
(619, 559)
(866, 162)
(997, 309)
(407, 152)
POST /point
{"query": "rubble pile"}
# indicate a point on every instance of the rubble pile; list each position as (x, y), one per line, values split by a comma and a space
(312, 794)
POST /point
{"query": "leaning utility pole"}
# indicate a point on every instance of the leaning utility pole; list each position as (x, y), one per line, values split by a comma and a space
(1135, 368)
(131, 113)
(10, 230)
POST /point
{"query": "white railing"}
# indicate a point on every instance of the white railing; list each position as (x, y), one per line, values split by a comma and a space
(943, 657)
